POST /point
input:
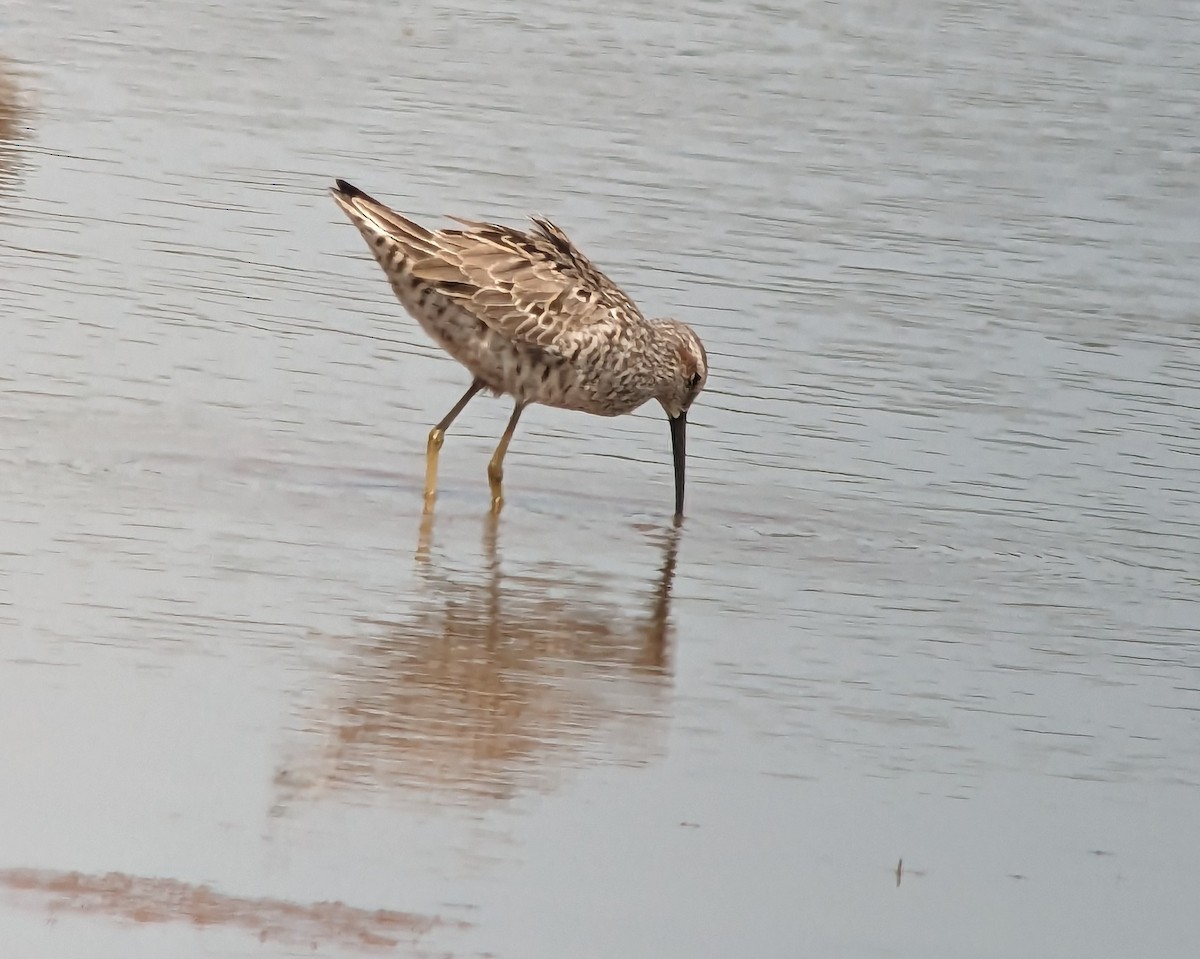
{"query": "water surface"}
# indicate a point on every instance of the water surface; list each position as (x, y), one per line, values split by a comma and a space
(934, 604)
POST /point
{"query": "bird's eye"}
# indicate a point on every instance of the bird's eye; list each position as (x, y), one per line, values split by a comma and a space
(694, 381)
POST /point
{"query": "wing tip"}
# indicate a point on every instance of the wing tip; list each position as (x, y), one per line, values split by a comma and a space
(348, 191)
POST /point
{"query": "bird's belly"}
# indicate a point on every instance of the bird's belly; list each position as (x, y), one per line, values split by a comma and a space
(525, 372)
(533, 375)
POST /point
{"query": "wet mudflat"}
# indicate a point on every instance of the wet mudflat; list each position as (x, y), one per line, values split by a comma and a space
(921, 671)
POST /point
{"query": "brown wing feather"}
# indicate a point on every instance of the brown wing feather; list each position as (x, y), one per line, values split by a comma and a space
(533, 287)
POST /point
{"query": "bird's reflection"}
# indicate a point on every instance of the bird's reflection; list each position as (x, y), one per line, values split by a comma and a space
(498, 678)
(11, 127)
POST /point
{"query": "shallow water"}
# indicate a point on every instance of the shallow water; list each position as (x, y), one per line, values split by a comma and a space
(921, 672)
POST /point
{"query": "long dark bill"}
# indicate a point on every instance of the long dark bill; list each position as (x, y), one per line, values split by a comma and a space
(679, 449)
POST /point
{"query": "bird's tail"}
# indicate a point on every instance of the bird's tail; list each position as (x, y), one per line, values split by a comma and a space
(379, 223)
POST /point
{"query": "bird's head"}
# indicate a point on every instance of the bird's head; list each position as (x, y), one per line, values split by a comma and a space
(689, 370)
(687, 376)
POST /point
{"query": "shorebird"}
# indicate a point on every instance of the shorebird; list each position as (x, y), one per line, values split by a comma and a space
(530, 317)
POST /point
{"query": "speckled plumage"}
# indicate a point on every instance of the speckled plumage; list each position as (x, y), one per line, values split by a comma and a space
(530, 316)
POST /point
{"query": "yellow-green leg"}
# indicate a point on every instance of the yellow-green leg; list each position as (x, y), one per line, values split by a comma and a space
(437, 436)
(496, 464)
